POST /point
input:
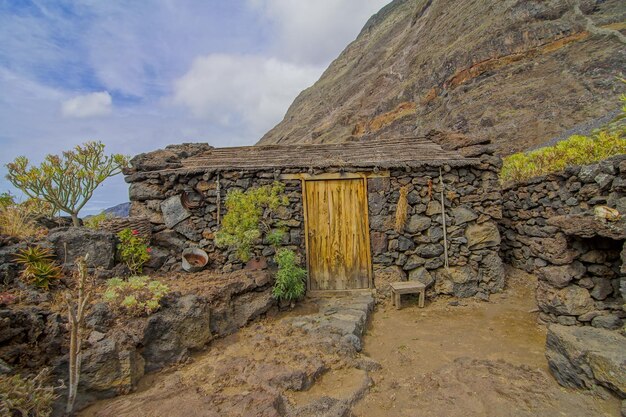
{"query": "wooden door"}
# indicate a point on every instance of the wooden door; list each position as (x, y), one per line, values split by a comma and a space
(337, 234)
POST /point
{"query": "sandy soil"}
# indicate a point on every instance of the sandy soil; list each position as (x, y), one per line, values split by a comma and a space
(474, 359)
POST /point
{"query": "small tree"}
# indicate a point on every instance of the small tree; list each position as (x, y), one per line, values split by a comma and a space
(68, 181)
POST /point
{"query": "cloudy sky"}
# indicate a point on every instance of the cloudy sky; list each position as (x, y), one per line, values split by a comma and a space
(139, 75)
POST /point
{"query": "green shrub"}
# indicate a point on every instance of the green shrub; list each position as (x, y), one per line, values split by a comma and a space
(577, 150)
(40, 269)
(6, 200)
(24, 397)
(94, 222)
(290, 278)
(244, 222)
(136, 297)
(133, 250)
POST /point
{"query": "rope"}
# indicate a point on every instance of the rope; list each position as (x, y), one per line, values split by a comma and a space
(443, 217)
(219, 197)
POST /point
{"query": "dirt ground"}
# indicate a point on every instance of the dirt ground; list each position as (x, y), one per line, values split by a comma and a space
(474, 359)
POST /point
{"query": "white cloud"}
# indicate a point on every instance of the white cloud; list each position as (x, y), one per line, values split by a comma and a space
(315, 32)
(242, 89)
(87, 105)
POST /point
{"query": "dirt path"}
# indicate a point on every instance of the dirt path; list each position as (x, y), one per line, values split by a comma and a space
(474, 359)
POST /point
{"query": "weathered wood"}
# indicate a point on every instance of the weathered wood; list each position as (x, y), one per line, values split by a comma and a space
(407, 287)
(371, 155)
(338, 293)
(334, 175)
(337, 234)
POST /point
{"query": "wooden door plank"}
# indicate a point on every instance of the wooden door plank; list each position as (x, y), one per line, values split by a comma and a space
(337, 234)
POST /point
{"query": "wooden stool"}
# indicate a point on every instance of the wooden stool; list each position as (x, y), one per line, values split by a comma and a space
(408, 287)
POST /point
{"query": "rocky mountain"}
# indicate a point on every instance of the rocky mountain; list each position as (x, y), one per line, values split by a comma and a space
(519, 72)
(121, 210)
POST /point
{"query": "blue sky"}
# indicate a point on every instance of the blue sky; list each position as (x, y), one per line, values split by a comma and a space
(139, 75)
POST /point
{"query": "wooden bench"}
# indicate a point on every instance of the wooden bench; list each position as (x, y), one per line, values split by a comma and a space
(407, 287)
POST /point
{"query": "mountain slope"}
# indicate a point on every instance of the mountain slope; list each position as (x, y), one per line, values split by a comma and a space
(515, 71)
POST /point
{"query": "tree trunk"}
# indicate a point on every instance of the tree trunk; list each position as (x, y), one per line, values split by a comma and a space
(75, 220)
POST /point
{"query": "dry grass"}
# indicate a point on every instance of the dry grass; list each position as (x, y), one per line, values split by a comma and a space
(402, 209)
(27, 396)
(17, 221)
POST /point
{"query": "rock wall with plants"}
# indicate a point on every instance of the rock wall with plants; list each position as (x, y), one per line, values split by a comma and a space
(408, 233)
(413, 249)
(187, 211)
(568, 229)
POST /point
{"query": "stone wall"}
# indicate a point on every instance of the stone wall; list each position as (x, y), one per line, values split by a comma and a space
(472, 202)
(550, 227)
(176, 227)
(472, 206)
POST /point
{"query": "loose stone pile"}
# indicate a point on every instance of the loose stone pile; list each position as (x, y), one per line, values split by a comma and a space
(550, 228)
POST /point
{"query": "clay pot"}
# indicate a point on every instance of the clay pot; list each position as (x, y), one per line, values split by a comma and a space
(191, 200)
(194, 259)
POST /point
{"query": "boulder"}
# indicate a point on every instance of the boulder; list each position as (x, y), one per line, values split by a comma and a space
(602, 288)
(434, 207)
(608, 321)
(413, 262)
(405, 244)
(587, 357)
(429, 251)
(9, 269)
(481, 236)
(587, 226)
(492, 275)
(109, 368)
(170, 157)
(379, 242)
(458, 281)
(384, 275)
(30, 336)
(422, 275)
(141, 191)
(169, 240)
(243, 308)
(571, 301)
(463, 215)
(182, 325)
(555, 250)
(71, 243)
(417, 224)
(173, 211)
(560, 276)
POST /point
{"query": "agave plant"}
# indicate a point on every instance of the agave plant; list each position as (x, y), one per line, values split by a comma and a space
(40, 269)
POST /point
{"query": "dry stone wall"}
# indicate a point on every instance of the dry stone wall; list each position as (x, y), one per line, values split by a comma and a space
(550, 228)
(177, 227)
(472, 205)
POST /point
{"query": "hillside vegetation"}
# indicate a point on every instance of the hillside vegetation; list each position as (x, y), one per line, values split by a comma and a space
(577, 150)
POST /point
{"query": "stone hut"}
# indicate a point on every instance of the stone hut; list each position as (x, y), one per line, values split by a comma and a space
(341, 216)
